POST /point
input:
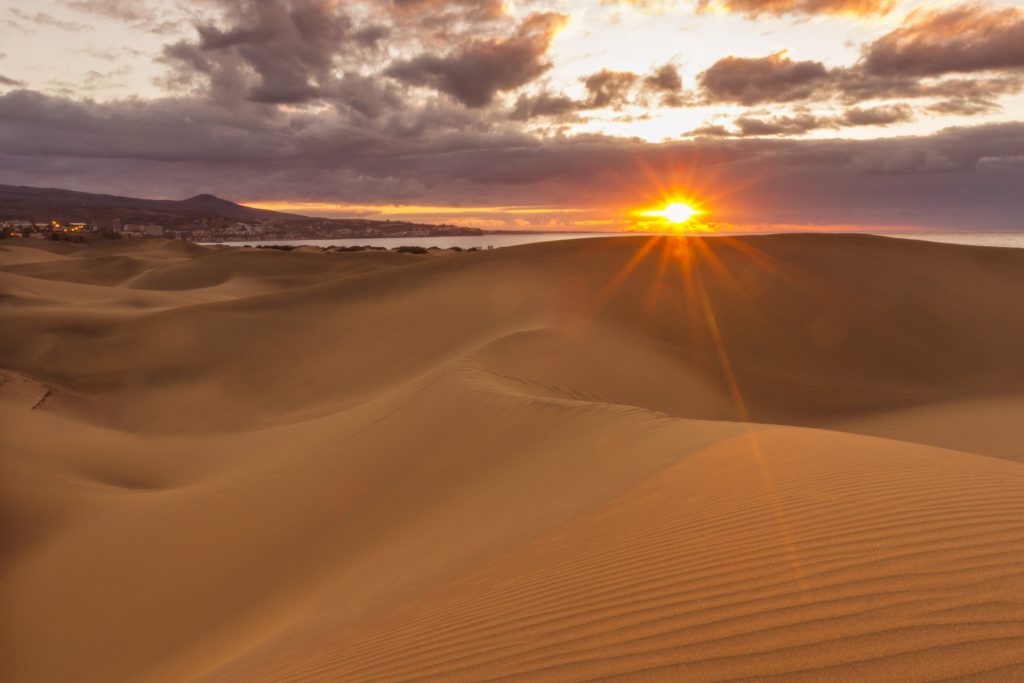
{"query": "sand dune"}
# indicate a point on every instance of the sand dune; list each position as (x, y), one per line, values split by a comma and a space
(791, 456)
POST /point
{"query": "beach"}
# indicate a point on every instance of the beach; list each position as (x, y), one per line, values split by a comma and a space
(793, 457)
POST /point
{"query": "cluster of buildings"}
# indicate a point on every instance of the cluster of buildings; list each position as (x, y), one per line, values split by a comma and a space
(19, 228)
(322, 229)
(137, 229)
(223, 230)
(24, 228)
(57, 229)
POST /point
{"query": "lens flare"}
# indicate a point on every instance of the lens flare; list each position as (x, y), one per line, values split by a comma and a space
(673, 214)
(676, 213)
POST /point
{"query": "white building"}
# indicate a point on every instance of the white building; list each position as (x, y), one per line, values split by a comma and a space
(143, 230)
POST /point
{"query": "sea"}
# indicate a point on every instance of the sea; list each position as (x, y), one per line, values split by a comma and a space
(977, 239)
(496, 241)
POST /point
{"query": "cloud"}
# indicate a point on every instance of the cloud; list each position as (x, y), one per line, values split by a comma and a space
(435, 100)
(854, 85)
(803, 122)
(903, 160)
(371, 35)
(123, 10)
(606, 89)
(882, 115)
(665, 85)
(963, 107)
(798, 124)
(962, 39)
(665, 78)
(474, 10)
(44, 19)
(756, 8)
(775, 78)
(544, 105)
(179, 147)
(968, 57)
(475, 73)
(272, 52)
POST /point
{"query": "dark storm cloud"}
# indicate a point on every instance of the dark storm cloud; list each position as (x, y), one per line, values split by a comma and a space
(475, 73)
(10, 82)
(958, 178)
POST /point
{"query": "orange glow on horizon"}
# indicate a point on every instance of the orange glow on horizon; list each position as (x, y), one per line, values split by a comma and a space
(405, 209)
(674, 213)
(673, 208)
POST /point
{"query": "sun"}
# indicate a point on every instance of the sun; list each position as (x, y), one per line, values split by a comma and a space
(674, 212)
(678, 212)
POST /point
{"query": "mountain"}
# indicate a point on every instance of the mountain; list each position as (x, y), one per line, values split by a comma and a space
(203, 216)
(209, 204)
(45, 204)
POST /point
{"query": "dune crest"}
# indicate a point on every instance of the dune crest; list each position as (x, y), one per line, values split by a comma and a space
(787, 456)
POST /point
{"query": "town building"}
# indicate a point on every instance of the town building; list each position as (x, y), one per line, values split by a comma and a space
(143, 230)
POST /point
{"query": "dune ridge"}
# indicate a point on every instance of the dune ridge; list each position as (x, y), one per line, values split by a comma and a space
(780, 457)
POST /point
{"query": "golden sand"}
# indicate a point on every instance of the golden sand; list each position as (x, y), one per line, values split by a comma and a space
(792, 457)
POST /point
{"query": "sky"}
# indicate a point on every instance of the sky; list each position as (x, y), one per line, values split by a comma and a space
(529, 114)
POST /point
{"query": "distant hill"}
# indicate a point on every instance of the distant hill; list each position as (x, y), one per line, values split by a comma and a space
(44, 204)
(201, 217)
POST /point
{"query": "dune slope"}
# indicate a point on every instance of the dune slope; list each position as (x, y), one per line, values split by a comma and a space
(716, 459)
